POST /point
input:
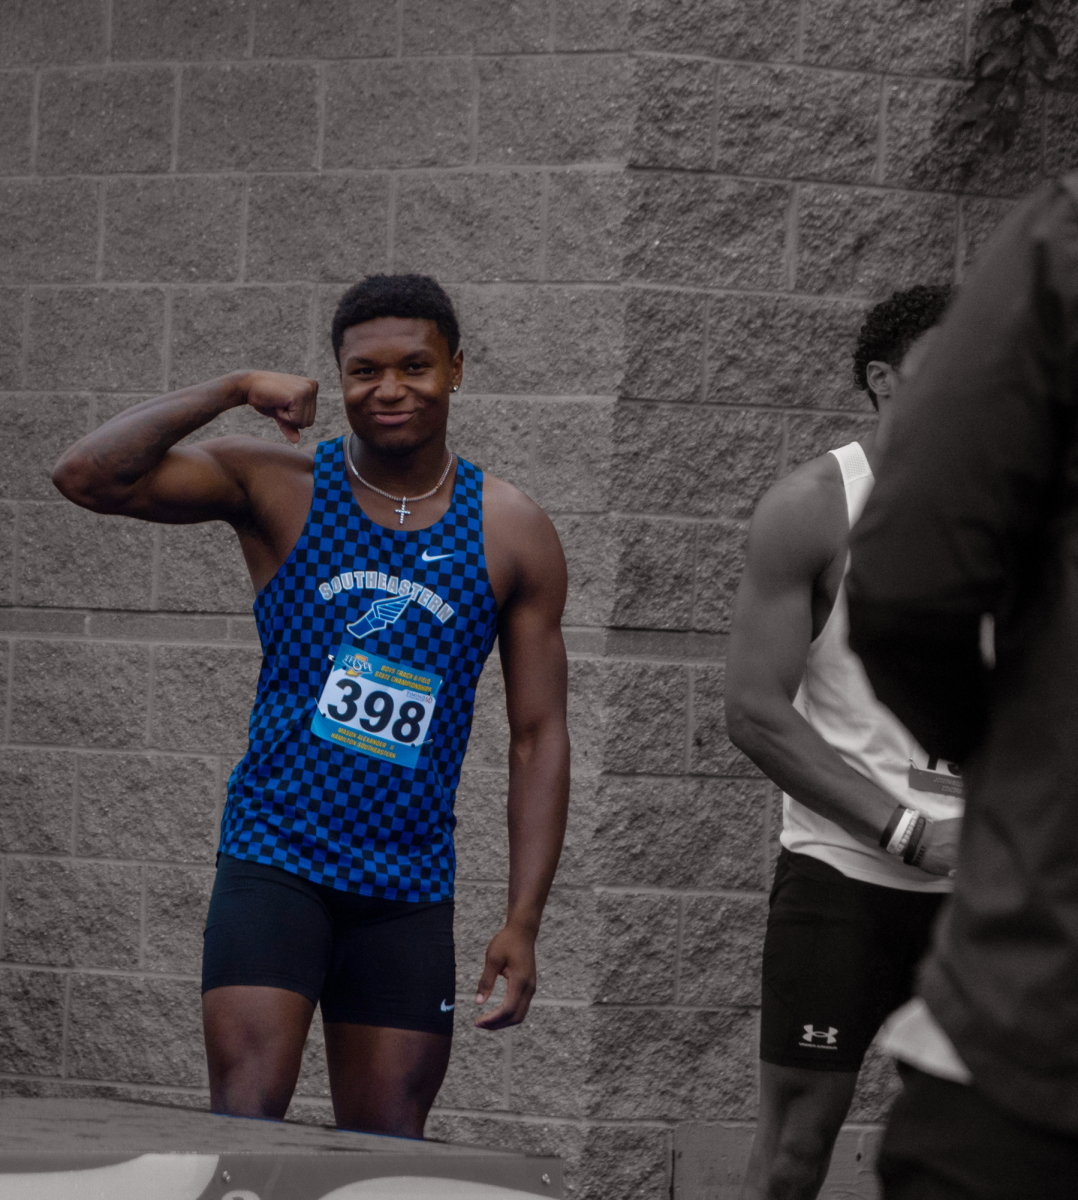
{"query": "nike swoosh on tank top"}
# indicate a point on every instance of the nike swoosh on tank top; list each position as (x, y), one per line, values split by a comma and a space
(837, 700)
(371, 656)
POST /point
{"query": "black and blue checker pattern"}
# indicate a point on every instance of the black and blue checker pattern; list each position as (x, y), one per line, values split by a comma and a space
(295, 801)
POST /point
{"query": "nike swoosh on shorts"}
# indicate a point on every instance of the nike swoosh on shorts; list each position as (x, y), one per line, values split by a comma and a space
(447, 1007)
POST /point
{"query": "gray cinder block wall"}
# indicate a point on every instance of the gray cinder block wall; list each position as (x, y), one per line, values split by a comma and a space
(661, 220)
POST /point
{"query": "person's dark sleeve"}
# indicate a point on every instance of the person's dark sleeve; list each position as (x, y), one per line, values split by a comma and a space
(969, 477)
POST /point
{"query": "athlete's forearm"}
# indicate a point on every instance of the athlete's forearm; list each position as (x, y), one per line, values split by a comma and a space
(792, 754)
(537, 809)
(101, 469)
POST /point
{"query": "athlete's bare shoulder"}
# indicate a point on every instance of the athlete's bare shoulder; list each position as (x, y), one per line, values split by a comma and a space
(801, 520)
(521, 545)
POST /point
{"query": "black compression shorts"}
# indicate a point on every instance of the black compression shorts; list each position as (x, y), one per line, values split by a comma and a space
(839, 955)
(367, 961)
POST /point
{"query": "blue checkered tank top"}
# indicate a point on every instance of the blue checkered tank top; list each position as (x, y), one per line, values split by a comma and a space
(373, 640)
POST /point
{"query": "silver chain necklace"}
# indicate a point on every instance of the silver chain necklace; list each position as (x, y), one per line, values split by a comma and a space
(403, 511)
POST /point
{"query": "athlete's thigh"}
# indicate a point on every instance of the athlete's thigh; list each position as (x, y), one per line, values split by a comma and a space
(819, 969)
(383, 1079)
(266, 950)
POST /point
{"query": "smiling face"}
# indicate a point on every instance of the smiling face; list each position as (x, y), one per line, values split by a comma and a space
(396, 376)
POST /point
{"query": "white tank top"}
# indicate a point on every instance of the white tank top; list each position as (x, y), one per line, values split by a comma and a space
(837, 700)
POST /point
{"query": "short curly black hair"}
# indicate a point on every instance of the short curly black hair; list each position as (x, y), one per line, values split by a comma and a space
(892, 327)
(417, 296)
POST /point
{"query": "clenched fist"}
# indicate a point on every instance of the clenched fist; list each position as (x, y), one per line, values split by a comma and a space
(290, 400)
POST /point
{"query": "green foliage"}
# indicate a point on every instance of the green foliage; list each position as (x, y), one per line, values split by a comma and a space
(1016, 51)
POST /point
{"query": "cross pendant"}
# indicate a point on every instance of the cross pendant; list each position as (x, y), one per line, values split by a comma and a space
(404, 512)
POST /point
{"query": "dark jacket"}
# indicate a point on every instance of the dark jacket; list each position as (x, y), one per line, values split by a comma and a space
(975, 511)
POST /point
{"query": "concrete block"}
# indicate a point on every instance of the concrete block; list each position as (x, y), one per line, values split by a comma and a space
(711, 232)
(52, 31)
(39, 427)
(718, 28)
(654, 587)
(479, 912)
(203, 698)
(204, 29)
(712, 751)
(789, 121)
(572, 455)
(79, 694)
(217, 330)
(481, 837)
(549, 1071)
(64, 914)
(664, 345)
(527, 340)
(314, 1071)
(591, 555)
(783, 351)
(908, 37)
(156, 627)
(318, 227)
(678, 833)
(475, 27)
(177, 899)
(7, 554)
(145, 807)
(636, 948)
(16, 93)
(465, 227)
(675, 116)
(1061, 129)
(630, 1160)
(720, 560)
(689, 462)
(921, 153)
(11, 337)
(639, 713)
(870, 243)
(980, 220)
(393, 115)
(248, 117)
(325, 28)
(554, 109)
(111, 339)
(172, 230)
(586, 213)
(590, 24)
(136, 1030)
(72, 558)
(660, 1064)
(31, 1033)
(811, 436)
(570, 950)
(48, 230)
(722, 945)
(477, 1066)
(38, 787)
(878, 1087)
(494, 433)
(5, 675)
(488, 745)
(104, 120)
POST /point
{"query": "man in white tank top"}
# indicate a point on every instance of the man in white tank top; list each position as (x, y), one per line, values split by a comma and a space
(870, 822)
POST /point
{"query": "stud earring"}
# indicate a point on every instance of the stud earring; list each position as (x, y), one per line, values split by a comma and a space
(455, 387)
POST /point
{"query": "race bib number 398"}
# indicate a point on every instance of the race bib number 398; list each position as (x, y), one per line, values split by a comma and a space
(376, 707)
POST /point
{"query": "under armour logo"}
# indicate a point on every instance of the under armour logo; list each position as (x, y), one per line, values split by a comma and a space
(828, 1035)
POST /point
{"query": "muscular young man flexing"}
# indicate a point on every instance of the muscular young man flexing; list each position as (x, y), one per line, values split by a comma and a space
(384, 567)
(870, 823)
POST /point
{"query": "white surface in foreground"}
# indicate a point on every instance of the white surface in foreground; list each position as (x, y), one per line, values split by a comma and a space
(160, 1176)
(417, 1187)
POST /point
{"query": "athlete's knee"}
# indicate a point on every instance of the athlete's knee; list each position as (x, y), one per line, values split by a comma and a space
(799, 1164)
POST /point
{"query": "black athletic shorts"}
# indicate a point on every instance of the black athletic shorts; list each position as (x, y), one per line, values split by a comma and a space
(945, 1141)
(839, 955)
(367, 961)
